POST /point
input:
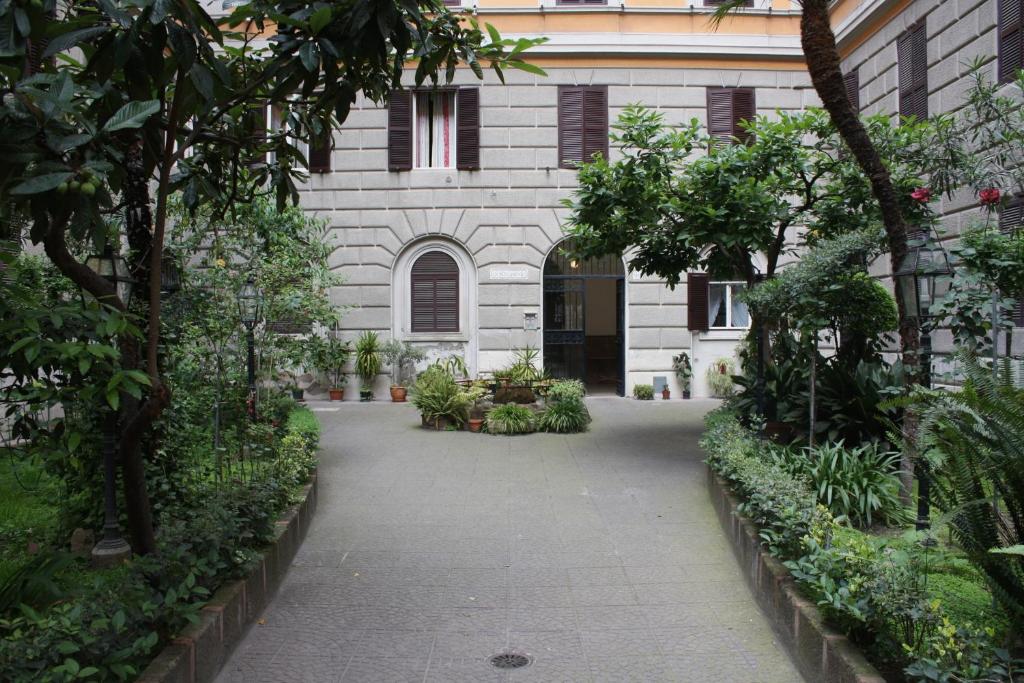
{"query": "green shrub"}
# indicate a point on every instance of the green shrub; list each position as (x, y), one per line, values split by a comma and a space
(564, 389)
(510, 418)
(303, 422)
(439, 397)
(643, 392)
(566, 416)
(966, 601)
(859, 484)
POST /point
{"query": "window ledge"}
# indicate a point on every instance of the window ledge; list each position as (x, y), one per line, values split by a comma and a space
(436, 336)
(735, 334)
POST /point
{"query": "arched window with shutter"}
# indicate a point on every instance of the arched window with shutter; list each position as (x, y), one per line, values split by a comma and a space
(434, 285)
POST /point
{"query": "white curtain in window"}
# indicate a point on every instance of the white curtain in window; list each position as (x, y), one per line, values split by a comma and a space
(740, 316)
(716, 299)
(435, 130)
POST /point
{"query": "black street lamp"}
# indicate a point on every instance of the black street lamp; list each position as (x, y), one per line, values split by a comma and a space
(114, 269)
(759, 384)
(923, 277)
(250, 309)
(112, 549)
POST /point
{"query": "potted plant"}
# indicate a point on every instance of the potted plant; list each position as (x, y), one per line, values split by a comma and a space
(665, 393)
(684, 372)
(401, 356)
(643, 392)
(719, 376)
(330, 356)
(367, 363)
(295, 355)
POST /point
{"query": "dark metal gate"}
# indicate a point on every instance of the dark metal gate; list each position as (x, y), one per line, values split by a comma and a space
(565, 301)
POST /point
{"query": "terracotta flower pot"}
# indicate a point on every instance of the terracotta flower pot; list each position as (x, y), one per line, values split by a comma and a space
(666, 394)
(337, 394)
(476, 424)
(398, 394)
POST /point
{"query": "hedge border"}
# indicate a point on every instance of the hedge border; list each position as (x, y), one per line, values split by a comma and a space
(197, 654)
(821, 653)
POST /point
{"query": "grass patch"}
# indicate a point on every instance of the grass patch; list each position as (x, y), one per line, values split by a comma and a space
(27, 512)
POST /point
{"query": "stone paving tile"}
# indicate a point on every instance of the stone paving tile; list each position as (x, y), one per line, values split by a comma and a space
(598, 555)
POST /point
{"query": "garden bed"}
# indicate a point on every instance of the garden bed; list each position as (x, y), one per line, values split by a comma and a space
(916, 608)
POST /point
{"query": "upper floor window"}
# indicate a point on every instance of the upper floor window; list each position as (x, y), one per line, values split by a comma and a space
(912, 55)
(581, 2)
(1011, 39)
(582, 123)
(434, 129)
(851, 80)
(727, 109)
(434, 285)
(434, 133)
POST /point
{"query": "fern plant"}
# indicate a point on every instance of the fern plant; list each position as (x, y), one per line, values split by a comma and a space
(974, 441)
(510, 418)
(439, 397)
(566, 416)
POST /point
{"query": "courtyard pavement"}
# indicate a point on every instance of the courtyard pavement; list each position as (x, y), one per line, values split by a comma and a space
(597, 554)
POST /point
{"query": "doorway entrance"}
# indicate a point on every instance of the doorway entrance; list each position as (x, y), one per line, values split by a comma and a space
(584, 320)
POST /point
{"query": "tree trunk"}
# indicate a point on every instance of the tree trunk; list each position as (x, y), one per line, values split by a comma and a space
(819, 46)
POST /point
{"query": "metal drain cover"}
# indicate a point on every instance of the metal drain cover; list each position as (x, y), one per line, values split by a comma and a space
(510, 660)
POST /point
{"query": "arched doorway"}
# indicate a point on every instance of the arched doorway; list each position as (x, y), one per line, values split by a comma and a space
(584, 319)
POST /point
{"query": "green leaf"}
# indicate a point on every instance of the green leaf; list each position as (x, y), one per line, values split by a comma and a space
(41, 183)
(310, 60)
(320, 19)
(88, 671)
(1011, 550)
(74, 439)
(527, 67)
(131, 115)
(68, 40)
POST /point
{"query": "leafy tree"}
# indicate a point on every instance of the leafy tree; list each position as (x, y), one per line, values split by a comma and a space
(823, 64)
(110, 108)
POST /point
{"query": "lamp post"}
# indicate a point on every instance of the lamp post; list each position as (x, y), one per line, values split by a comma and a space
(112, 549)
(250, 307)
(923, 277)
(759, 388)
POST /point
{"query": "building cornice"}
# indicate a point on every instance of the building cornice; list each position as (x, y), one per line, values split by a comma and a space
(669, 44)
(851, 29)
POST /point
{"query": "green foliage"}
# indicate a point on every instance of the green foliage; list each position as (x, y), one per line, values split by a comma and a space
(859, 484)
(368, 359)
(329, 356)
(643, 392)
(564, 416)
(962, 653)
(683, 369)
(974, 439)
(873, 588)
(402, 356)
(110, 624)
(523, 369)
(565, 390)
(719, 376)
(440, 398)
(967, 601)
(678, 211)
(509, 419)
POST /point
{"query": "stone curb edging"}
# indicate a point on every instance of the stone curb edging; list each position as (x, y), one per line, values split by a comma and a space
(822, 654)
(198, 652)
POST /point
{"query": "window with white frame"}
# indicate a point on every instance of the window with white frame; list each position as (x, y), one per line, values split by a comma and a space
(435, 127)
(725, 310)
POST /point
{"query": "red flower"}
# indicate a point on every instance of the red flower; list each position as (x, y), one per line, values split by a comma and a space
(922, 194)
(989, 196)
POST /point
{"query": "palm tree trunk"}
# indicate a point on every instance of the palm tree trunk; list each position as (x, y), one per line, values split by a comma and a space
(822, 55)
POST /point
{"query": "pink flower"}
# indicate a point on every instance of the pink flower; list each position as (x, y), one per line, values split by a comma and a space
(989, 196)
(922, 194)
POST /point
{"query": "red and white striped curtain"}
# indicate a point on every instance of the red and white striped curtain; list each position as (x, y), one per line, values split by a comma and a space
(435, 130)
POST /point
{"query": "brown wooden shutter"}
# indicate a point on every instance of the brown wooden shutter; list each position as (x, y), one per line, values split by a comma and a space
(400, 130)
(1011, 39)
(716, 3)
(852, 82)
(1011, 218)
(726, 108)
(570, 125)
(743, 109)
(595, 122)
(467, 135)
(697, 301)
(435, 293)
(581, 2)
(912, 55)
(320, 148)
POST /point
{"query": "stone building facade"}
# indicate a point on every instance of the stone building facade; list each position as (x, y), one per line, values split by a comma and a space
(490, 229)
